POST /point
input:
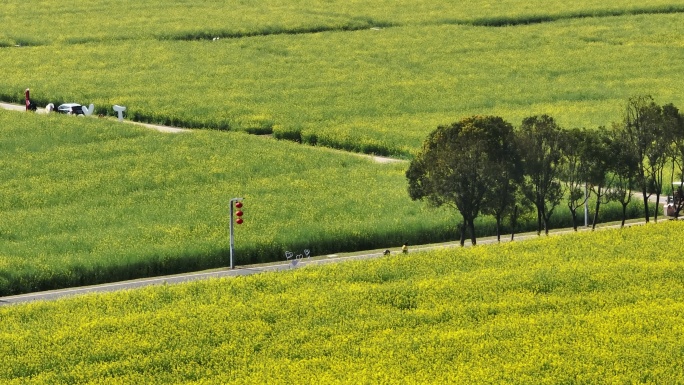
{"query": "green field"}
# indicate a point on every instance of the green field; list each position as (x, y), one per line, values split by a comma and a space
(92, 201)
(590, 308)
(46, 22)
(375, 91)
(87, 200)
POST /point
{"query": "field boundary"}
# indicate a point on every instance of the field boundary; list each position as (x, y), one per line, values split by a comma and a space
(538, 19)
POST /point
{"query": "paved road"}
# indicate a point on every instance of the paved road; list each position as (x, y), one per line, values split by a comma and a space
(17, 107)
(249, 270)
(174, 279)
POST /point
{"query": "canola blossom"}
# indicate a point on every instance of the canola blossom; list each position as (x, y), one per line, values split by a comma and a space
(587, 308)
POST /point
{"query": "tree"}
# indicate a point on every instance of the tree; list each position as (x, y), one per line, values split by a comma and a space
(676, 126)
(574, 171)
(624, 166)
(539, 141)
(598, 163)
(458, 165)
(502, 197)
(641, 125)
(660, 152)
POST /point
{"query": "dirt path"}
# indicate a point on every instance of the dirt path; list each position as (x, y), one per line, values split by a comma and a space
(176, 130)
(166, 129)
(17, 107)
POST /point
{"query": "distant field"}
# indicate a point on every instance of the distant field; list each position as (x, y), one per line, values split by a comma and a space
(370, 91)
(591, 308)
(48, 22)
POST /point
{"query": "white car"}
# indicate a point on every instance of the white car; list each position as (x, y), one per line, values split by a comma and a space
(70, 109)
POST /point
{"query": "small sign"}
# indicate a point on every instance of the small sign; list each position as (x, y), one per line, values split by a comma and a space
(295, 258)
(119, 110)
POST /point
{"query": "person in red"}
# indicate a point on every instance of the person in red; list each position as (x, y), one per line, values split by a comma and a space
(30, 106)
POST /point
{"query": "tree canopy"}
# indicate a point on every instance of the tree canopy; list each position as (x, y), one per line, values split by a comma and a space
(482, 165)
(460, 164)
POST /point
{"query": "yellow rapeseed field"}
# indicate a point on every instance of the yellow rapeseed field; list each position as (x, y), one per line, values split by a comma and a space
(588, 308)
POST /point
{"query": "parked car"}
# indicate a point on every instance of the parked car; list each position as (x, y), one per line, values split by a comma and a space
(70, 109)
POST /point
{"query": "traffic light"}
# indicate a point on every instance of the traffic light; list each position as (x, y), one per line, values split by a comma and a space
(234, 203)
(239, 213)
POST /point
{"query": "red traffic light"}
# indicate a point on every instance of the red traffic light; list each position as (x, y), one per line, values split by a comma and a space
(238, 213)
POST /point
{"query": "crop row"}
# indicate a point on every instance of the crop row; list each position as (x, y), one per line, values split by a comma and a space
(587, 308)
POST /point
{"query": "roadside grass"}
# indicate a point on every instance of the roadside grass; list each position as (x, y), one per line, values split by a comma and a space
(601, 307)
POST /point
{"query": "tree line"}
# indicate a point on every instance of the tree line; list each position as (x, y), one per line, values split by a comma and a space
(483, 165)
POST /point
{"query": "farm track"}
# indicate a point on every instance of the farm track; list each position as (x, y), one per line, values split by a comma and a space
(167, 129)
(176, 130)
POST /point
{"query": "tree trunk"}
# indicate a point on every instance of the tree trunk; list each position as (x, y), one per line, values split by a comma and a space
(546, 226)
(539, 221)
(498, 228)
(472, 232)
(624, 214)
(514, 221)
(545, 220)
(646, 211)
(596, 212)
(574, 218)
(655, 215)
(463, 228)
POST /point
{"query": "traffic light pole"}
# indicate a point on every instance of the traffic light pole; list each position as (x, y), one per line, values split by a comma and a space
(232, 239)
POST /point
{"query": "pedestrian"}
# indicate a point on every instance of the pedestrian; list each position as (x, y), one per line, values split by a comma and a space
(404, 248)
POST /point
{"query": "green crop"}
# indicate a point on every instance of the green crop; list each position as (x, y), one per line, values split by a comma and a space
(92, 200)
(589, 308)
(86, 200)
(370, 90)
(47, 22)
